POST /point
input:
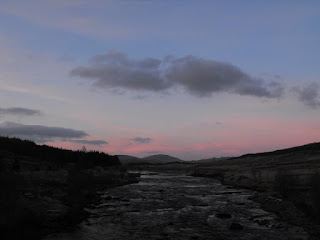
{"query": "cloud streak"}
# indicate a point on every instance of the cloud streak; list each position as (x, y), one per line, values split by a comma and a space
(89, 142)
(20, 111)
(43, 134)
(197, 76)
(152, 152)
(142, 140)
(39, 133)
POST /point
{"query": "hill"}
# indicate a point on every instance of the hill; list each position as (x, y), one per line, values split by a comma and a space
(31, 156)
(249, 166)
(161, 158)
(44, 189)
(208, 160)
(130, 160)
(153, 159)
(293, 172)
(127, 157)
(307, 147)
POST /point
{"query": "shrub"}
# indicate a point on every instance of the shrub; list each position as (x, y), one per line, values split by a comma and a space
(80, 185)
(284, 183)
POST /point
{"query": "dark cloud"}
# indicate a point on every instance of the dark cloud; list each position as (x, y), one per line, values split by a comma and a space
(90, 142)
(39, 133)
(142, 140)
(115, 70)
(20, 111)
(203, 77)
(200, 77)
(309, 94)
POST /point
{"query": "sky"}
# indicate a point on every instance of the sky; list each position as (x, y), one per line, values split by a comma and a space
(192, 79)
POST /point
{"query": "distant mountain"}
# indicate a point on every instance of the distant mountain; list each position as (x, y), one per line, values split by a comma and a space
(128, 160)
(154, 159)
(161, 158)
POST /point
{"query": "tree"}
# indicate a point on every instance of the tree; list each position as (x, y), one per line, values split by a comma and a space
(83, 149)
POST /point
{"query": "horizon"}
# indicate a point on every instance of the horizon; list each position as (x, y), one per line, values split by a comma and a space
(164, 154)
(231, 156)
(193, 80)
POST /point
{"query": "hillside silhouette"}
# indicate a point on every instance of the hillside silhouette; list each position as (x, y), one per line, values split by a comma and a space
(39, 156)
(45, 189)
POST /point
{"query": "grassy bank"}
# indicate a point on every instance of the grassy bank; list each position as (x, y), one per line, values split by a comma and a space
(293, 175)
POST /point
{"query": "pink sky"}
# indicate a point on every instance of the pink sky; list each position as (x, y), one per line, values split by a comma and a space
(237, 137)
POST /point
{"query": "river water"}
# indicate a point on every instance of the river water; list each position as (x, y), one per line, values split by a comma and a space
(170, 206)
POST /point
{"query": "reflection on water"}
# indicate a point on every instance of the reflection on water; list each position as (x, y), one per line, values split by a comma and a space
(168, 206)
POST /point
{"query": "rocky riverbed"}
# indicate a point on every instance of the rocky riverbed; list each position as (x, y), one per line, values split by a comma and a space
(171, 206)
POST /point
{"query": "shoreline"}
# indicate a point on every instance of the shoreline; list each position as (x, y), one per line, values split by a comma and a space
(70, 221)
(272, 201)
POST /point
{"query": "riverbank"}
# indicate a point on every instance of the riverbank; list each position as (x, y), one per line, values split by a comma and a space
(101, 180)
(45, 189)
(37, 203)
(287, 181)
(287, 211)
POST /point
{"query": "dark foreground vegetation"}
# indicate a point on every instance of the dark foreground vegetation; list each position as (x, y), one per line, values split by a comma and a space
(45, 189)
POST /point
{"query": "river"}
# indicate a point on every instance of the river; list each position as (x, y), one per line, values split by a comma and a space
(171, 206)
